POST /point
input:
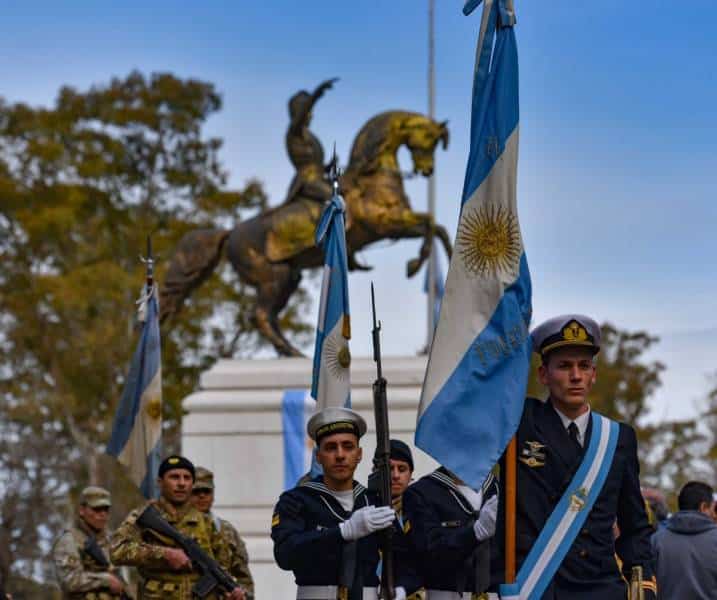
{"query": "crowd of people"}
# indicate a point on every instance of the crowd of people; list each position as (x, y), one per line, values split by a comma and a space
(585, 529)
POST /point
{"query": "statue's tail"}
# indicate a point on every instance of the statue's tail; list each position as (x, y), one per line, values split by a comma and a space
(196, 256)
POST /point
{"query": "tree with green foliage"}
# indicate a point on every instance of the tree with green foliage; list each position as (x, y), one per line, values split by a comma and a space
(82, 184)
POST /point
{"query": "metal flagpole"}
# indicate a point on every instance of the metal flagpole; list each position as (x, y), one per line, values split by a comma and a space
(432, 177)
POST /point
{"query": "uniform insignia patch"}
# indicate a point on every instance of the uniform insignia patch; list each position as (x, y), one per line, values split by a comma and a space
(275, 520)
(406, 526)
(533, 454)
(578, 499)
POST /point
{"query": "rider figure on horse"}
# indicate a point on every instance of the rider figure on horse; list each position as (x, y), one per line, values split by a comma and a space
(304, 148)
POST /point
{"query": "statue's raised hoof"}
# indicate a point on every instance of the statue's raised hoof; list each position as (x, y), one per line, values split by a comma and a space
(412, 266)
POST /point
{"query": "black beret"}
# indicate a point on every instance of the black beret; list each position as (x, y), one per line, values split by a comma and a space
(175, 462)
(401, 451)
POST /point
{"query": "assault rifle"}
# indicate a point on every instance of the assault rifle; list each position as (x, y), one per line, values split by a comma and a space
(380, 479)
(93, 550)
(214, 578)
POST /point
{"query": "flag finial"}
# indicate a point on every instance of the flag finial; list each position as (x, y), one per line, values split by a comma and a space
(335, 172)
(149, 261)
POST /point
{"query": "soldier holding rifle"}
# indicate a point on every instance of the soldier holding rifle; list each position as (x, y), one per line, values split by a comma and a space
(167, 571)
(323, 529)
(81, 553)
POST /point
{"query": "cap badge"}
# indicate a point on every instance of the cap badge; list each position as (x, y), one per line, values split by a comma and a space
(173, 461)
(575, 332)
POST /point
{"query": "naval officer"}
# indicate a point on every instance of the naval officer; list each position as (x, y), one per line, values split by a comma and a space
(578, 474)
(323, 529)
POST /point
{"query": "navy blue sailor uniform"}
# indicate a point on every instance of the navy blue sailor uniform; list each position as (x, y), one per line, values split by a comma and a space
(547, 459)
(405, 557)
(450, 560)
(307, 540)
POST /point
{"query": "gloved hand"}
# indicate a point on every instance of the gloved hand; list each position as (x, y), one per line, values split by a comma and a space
(484, 527)
(400, 593)
(365, 521)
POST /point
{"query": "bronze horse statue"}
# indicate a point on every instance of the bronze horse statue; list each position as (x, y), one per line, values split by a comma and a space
(270, 250)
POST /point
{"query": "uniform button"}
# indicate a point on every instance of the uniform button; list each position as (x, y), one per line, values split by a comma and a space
(583, 554)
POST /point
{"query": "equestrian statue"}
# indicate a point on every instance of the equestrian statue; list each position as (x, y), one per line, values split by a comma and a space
(270, 250)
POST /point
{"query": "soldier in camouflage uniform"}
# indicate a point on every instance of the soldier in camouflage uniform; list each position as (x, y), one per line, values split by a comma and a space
(203, 498)
(166, 572)
(80, 574)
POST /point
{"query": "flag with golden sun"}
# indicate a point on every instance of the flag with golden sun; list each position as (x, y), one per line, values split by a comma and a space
(474, 388)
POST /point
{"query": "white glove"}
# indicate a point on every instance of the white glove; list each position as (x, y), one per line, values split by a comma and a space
(400, 593)
(484, 527)
(365, 521)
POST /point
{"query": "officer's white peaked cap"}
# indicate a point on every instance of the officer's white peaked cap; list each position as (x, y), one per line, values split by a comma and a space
(335, 420)
(566, 330)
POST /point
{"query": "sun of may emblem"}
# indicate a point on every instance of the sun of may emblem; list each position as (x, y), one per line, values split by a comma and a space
(489, 241)
(338, 357)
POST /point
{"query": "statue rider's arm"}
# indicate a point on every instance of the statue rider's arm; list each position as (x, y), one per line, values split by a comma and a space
(299, 120)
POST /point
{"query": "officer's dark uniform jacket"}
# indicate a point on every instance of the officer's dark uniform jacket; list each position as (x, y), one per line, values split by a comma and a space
(307, 539)
(449, 556)
(547, 461)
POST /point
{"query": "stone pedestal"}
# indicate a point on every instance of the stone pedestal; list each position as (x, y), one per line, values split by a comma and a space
(233, 426)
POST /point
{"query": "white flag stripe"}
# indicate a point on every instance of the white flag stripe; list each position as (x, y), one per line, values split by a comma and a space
(326, 278)
(334, 382)
(146, 432)
(467, 295)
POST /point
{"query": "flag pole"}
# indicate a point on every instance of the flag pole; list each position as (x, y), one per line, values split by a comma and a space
(511, 490)
(431, 192)
(511, 480)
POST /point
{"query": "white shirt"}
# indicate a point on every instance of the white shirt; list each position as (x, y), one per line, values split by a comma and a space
(581, 422)
(346, 499)
(473, 496)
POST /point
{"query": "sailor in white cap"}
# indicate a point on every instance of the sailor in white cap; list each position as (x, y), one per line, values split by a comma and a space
(323, 529)
(578, 474)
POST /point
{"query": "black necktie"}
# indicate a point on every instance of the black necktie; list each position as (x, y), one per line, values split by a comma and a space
(574, 434)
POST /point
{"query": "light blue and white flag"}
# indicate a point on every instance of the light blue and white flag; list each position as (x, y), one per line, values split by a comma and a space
(297, 406)
(137, 430)
(331, 384)
(475, 383)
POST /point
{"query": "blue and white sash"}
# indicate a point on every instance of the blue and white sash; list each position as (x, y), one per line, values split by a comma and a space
(568, 517)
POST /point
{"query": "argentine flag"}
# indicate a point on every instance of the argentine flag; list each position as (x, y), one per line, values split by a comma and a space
(330, 384)
(137, 430)
(476, 378)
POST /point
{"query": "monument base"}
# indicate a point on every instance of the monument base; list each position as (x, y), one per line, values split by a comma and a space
(233, 426)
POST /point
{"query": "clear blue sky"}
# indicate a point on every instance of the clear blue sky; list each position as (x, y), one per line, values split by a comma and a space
(618, 119)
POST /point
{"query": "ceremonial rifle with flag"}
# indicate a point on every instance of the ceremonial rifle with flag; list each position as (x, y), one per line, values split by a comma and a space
(474, 389)
(137, 430)
(380, 479)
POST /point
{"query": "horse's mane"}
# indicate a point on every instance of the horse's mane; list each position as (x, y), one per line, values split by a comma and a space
(372, 138)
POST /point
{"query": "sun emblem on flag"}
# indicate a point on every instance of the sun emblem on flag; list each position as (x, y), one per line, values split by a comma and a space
(154, 407)
(488, 241)
(337, 356)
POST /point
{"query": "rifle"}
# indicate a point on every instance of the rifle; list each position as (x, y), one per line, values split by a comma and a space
(380, 479)
(93, 550)
(214, 578)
